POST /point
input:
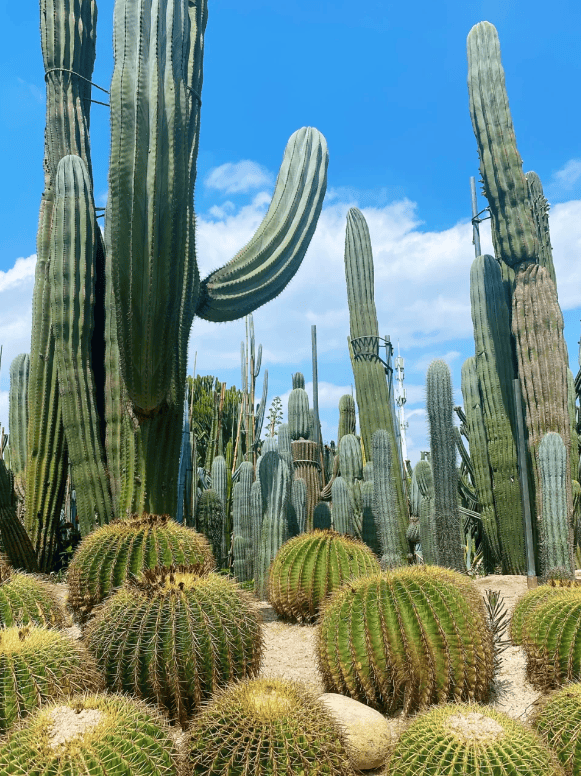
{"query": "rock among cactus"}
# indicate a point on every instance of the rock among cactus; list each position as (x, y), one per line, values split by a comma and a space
(310, 566)
(105, 558)
(267, 726)
(39, 665)
(467, 739)
(406, 638)
(173, 637)
(113, 733)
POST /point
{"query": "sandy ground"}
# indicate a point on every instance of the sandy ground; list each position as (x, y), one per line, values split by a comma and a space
(290, 653)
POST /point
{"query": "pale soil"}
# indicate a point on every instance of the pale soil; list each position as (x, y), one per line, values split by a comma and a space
(290, 653)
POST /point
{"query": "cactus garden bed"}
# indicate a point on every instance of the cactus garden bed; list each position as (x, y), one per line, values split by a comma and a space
(290, 653)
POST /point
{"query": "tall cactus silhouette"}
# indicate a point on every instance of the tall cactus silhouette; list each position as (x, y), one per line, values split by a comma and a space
(373, 395)
(126, 408)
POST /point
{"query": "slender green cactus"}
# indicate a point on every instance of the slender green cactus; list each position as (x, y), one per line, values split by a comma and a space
(275, 491)
(556, 541)
(350, 459)
(346, 416)
(130, 734)
(425, 479)
(572, 405)
(133, 633)
(342, 512)
(406, 638)
(309, 567)
(210, 521)
(472, 394)
(256, 514)
(222, 484)
(298, 409)
(373, 395)
(299, 505)
(390, 528)
(368, 524)
(15, 541)
(39, 665)
(514, 231)
(448, 536)
(540, 209)
(18, 416)
(495, 370)
(243, 548)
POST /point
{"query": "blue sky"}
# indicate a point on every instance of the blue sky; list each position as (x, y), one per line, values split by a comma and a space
(386, 84)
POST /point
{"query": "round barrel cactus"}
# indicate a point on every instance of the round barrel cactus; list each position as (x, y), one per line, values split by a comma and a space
(97, 734)
(466, 739)
(267, 726)
(551, 639)
(25, 599)
(38, 665)
(107, 556)
(173, 637)
(530, 600)
(557, 718)
(409, 637)
(309, 566)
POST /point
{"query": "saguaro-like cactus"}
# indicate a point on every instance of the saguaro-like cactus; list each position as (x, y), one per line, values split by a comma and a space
(373, 396)
(556, 540)
(152, 283)
(388, 520)
(447, 523)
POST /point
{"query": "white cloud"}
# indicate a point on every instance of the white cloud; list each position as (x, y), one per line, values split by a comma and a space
(236, 177)
(20, 274)
(564, 182)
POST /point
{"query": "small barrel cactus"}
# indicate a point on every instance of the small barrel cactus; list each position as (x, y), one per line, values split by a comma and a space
(466, 739)
(408, 637)
(267, 726)
(308, 567)
(530, 600)
(38, 665)
(24, 600)
(94, 734)
(173, 637)
(557, 718)
(107, 556)
(551, 639)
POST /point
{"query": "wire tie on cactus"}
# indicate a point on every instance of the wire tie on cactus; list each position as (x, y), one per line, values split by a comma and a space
(88, 80)
(196, 95)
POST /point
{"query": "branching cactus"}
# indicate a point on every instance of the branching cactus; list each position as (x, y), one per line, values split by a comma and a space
(556, 540)
(448, 525)
(128, 409)
(346, 416)
(385, 504)
(275, 488)
(373, 396)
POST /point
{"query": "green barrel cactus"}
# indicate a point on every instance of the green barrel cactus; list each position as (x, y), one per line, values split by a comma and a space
(467, 739)
(105, 558)
(406, 638)
(557, 718)
(448, 533)
(310, 566)
(173, 637)
(530, 600)
(267, 726)
(556, 546)
(210, 521)
(551, 639)
(39, 665)
(24, 600)
(92, 733)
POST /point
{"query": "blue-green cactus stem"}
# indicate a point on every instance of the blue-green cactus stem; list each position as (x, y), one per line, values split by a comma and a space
(556, 540)
(275, 489)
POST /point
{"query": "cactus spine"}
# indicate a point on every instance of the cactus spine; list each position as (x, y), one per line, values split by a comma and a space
(373, 395)
(447, 523)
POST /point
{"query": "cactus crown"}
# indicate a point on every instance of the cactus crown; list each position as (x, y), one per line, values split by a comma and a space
(163, 580)
(298, 380)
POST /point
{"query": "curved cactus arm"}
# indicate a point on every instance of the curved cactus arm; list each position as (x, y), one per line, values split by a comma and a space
(262, 269)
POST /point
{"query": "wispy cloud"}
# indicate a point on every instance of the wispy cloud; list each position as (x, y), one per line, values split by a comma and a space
(32, 90)
(239, 177)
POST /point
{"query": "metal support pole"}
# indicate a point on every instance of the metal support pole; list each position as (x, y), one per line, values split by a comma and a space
(524, 486)
(475, 222)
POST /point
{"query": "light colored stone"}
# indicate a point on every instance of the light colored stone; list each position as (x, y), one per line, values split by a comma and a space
(368, 733)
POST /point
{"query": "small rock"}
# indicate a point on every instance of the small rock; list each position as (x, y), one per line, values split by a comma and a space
(368, 732)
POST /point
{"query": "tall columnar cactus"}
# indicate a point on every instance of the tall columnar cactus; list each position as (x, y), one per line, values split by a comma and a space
(350, 460)
(242, 546)
(572, 405)
(388, 520)
(537, 324)
(210, 521)
(342, 511)
(373, 396)
(18, 419)
(346, 416)
(556, 540)
(222, 484)
(425, 480)
(540, 209)
(368, 524)
(298, 409)
(472, 395)
(495, 371)
(151, 283)
(514, 231)
(448, 535)
(275, 490)
(15, 541)
(299, 504)
(307, 466)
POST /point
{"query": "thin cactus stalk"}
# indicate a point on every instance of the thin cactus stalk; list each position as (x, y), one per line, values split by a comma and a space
(242, 547)
(275, 490)
(449, 538)
(299, 505)
(18, 418)
(373, 395)
(425, 480)
(385, 505)
(256, 514)
(284, 439)
(219, 475)
(495, 370)
(556, 540)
